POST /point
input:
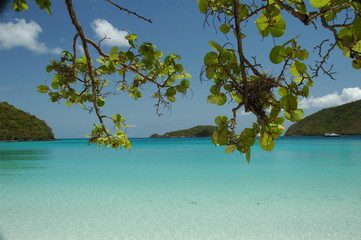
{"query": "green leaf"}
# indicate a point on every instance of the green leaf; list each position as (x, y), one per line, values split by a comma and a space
(210, 58)
(282, 92)
(170, 92)
(289, 102)
(247, 141)
(42, 88)
(230, 148)
(243, 11)
(214, 89)
(113, 53)
(237, 98)
(178, 67)
(218, 99)
(303, 54)
(298, 68)
(49, 68)
(210, 73)
(224, 28)
(221, 120)
(129, 55)
(278, 28)
(44, 4)
(55, 84)
(171, 98)
(319, 3)
(262, 22)
(357, 47)
(185, 83)
(100, 102)
(131, 37)
(215, 46)
(299, 79)
(248, 155)
(306, 91)
(274, 112)
(249, 132)
(356, 63)
(294, 115)
(202, 6)
(68, 103)
(277, 54)
(266, 142)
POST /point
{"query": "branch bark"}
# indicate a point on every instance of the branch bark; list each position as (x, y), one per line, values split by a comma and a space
(79, 29)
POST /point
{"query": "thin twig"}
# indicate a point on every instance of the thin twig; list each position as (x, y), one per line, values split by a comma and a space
(129, 12)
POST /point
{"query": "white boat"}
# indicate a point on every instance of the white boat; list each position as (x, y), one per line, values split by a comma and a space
(331, 135)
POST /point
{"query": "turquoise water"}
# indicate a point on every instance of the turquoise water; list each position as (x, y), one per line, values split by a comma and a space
(307, 188)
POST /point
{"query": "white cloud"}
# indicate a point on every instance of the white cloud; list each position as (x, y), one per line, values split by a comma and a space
(330, 100)
(243, 112)
(115, 37)
(23, 34)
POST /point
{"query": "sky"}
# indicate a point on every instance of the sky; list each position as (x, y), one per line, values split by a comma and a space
(29, 39)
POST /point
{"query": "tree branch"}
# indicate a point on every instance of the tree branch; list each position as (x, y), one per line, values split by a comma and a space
(79, 29)
(128, 11)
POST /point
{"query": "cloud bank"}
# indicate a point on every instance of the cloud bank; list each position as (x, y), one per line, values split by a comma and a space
(114, 36)
(23, 34)
(331, 100)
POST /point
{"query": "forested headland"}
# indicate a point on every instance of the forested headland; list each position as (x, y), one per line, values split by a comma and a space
(343, 120)
(17, 125)
(194, 132)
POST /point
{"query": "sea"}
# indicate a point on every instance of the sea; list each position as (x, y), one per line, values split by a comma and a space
(307, 188)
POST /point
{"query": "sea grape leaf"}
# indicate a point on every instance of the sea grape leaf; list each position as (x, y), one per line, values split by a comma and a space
(356, 63)
(319, 3)
(278, 28)
(224, 28)
(113, 53)
(215, 46)
(266, 142)
(218, 99)
(210, 58)
(277, 54)
(230, 148)
(42, 88)
(221, 120)
(298, 68)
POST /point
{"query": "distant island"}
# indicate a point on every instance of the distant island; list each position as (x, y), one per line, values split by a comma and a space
(17, 125)
(194, 132)
(342, 120)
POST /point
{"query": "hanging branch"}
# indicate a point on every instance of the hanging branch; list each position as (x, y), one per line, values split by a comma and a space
(90, 72)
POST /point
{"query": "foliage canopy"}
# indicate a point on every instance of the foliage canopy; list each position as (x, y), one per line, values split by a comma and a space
(238, 79)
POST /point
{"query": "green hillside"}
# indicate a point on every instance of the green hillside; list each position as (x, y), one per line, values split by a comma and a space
(344, 120)
(197, 131)
(16, 125)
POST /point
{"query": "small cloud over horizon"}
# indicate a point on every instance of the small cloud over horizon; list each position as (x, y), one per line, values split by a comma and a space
(332, 100)
(114, 37)
(23, 34)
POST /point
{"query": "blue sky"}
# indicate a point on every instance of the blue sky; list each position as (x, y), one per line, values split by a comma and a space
(29, 39)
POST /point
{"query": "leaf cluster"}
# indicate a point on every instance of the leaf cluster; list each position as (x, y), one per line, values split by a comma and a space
(242, 81)
(77, 82)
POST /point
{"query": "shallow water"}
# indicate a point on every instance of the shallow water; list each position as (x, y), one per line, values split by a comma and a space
(307, 188)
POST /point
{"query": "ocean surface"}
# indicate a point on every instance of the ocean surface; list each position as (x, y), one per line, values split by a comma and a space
(181, 189)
